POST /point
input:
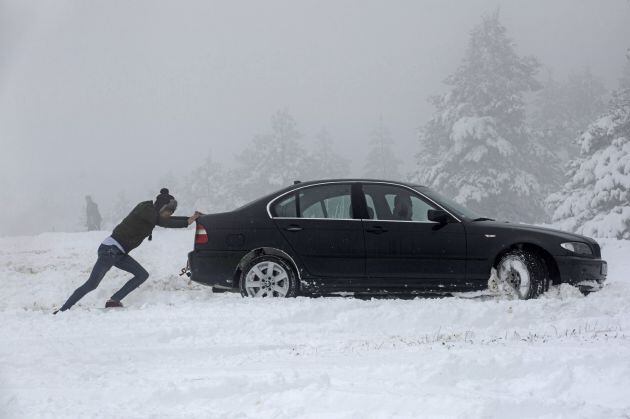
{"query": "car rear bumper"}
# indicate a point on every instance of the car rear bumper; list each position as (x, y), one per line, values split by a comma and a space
(586, 274)
(214, 268)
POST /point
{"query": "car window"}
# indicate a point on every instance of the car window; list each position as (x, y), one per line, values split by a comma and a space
(286, 207)
(371, 208)
(388, 202)
(449, 203)
(326, 201)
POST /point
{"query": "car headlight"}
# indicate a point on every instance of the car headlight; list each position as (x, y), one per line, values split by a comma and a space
(578, 247)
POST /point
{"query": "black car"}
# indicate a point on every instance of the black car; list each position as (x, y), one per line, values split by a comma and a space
(371, 237)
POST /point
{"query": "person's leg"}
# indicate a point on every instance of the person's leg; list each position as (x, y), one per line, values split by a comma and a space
(129, 264)
(106, 259)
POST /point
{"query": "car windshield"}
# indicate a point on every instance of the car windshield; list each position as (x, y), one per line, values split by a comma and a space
(448, 203)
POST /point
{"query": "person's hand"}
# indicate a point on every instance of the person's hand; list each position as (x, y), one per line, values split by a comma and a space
(194, 217)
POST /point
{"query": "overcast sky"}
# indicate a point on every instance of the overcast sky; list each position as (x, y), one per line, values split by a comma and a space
(102, 96)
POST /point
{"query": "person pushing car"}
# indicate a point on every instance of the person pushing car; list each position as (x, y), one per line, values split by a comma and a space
(129, 234)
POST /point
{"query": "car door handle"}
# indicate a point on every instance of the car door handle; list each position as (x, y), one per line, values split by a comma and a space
(376, 230)
(294, 228)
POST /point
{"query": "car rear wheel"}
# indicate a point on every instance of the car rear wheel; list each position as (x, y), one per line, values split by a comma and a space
(268, 276)
(523, 274)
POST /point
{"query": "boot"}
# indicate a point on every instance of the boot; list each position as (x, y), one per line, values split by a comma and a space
(113, 304)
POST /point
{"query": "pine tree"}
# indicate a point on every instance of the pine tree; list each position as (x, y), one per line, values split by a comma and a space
(564, 110)
(323, 162)
(477, 148)
(274, 160)
(382, 162)
(596, 200)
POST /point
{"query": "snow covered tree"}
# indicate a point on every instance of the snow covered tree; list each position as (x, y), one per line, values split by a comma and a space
(477, 148)
(596, 200)
(564, 110)
(323, 162)
(382, 162)
(274, 160)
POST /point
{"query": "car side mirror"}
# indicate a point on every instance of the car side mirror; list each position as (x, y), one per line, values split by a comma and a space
(437, 216)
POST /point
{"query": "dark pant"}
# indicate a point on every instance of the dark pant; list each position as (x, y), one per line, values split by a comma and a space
(109, 256)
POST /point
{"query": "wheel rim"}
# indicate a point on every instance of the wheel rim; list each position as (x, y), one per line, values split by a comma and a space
(267, 279)
(514, 273)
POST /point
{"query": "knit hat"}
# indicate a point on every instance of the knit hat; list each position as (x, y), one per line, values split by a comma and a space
(165, 201)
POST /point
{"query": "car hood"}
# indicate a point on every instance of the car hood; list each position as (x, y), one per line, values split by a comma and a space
(563, 235)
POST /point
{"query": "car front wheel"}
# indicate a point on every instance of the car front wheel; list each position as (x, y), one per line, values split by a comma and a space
(523, 274)
(268, 276)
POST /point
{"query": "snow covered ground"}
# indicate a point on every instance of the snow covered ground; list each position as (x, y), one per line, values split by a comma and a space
(177, 350)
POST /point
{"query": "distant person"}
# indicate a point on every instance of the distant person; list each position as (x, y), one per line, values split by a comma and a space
(92, 215)
(114, 250)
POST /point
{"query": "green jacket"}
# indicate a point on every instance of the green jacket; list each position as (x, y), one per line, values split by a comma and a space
(139, 224)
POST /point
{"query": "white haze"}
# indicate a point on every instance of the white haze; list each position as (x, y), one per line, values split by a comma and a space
(107, 96)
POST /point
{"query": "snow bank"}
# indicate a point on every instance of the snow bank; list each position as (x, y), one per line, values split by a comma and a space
(177, 350)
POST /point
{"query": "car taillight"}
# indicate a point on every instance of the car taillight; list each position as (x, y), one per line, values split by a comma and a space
(201, 235)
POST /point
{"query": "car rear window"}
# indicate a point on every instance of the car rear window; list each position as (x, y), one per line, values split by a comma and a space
(286, 207)
(332, 201)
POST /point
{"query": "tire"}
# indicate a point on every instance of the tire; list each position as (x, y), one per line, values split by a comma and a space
(258, 281)
(525, 273)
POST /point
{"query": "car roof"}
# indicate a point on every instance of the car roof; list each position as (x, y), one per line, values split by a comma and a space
(349, 180)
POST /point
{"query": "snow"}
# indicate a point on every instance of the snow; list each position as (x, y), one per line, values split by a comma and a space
(597, 202)
(177, 350)
(604, 126)
(468, 131)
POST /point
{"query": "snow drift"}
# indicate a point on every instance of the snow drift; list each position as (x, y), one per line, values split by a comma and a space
(177, 350)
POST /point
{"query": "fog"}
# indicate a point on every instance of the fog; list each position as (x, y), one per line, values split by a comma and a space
(108, 96)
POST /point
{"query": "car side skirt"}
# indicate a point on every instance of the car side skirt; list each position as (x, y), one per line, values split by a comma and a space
(218, 269)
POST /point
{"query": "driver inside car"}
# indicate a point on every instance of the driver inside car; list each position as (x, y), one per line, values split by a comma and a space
(402, 207)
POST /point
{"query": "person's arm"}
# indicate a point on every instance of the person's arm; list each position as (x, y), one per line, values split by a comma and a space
(173, 222)
(179, 222)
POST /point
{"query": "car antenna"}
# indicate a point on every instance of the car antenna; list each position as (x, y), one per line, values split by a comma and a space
(297, 182)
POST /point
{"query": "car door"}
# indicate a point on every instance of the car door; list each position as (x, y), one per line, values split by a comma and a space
(317, 221)
(403, 246)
